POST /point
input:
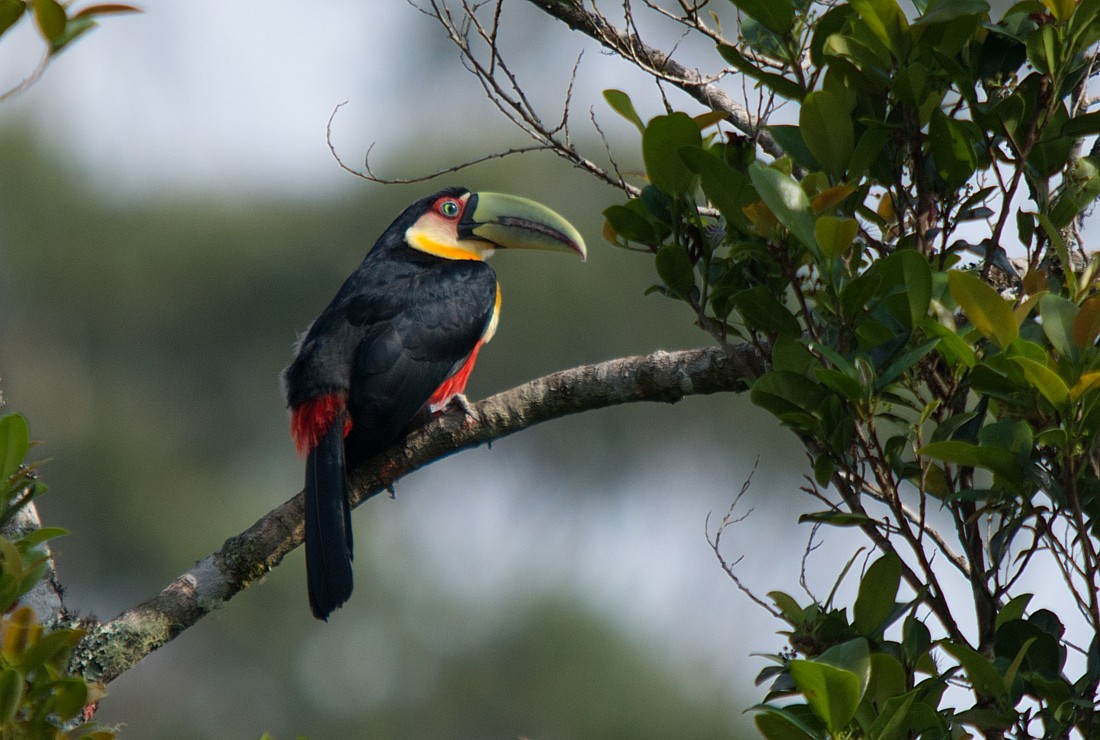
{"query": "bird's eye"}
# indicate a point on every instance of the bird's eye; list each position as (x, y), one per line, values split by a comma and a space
(449, 208)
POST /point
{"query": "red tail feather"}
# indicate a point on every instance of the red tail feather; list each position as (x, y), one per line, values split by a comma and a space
(310, 420)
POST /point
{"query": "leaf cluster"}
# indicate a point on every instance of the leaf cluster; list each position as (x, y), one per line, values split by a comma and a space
(921, 367)
(38, 695)
(58, 24)
(854, 681)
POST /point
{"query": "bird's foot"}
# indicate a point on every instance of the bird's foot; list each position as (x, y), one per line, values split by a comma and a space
(460, 402)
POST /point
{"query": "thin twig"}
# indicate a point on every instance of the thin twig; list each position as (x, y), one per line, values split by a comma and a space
(367, 173)
(715, 545)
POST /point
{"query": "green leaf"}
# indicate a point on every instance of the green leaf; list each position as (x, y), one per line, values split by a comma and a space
(855, 295)
(662, 141)
(1080, 188)
(824, 467)
(910, 84)
(785, 723)
(1059, 316)
(892, 722)
(877, 591)
(905, 361)
(790, 141)
(1014, 435)
(835, 518)
(1043, 50)
(916, 639)
(787, 606)
(69, 696)
(789, 353)
(1014, 609)
(887, 678)
(869, 150)
(75, 28)
(621, 103)
(630, 225)
(1060, 9)
(825, 120)
(675, 269)
(775, 15)
(51, 18)
(988, 312)
(1050, 155)
(782, 194)
(951, 147)
(726, 188)
(1059, 245)
(1049, 384)
(834, 234)
(983, 676)
(1085, 124)
(15, 440)
(762, 312)
(1001, 462)
(11, 694)
(907, 275)
(948, 11)
(833, 691)
(38, 536)
(846, 385)
(52, 649)
(10, 12)
(887, 21)
(785, 394)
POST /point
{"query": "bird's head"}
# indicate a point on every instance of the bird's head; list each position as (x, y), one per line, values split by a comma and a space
(458, 224)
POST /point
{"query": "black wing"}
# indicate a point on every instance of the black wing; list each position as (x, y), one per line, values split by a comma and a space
(403, 359)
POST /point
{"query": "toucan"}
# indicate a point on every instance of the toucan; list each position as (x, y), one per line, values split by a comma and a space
(396, 345)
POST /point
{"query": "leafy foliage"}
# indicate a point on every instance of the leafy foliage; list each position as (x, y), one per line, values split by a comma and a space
(917, 382)
(57, 24)
(38, 696)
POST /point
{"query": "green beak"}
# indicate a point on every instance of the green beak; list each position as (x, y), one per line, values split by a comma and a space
(510, 222)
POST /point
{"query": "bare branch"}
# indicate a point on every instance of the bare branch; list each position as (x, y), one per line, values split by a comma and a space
(29, 80)
(715, 544)
(630, 47)
(368, 174)
(111, 648)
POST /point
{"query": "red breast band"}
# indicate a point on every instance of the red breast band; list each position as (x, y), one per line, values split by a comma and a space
(455, 384)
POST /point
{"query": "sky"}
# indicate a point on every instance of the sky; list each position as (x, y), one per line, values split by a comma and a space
(237, 95)
(189, 94)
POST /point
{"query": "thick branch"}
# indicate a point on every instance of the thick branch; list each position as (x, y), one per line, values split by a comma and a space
(111, 648)
(627, 45)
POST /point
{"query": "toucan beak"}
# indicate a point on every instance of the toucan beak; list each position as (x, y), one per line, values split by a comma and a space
(509, 222)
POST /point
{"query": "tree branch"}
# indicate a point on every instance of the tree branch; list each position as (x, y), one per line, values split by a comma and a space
(111, 648)
(630, 47)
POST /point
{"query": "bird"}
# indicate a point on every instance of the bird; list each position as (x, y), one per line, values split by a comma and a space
(395, 345)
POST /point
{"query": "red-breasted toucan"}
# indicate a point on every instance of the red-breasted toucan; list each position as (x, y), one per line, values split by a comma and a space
(397, 343)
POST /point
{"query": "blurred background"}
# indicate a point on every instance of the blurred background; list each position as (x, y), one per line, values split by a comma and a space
(171, 217)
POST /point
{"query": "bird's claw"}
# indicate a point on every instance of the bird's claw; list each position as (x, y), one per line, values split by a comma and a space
(460, 402)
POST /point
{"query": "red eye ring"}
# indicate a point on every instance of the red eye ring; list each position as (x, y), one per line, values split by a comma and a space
(450, 208)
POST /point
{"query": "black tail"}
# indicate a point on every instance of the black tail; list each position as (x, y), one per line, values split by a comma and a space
(328, 524)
